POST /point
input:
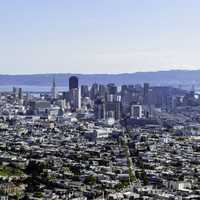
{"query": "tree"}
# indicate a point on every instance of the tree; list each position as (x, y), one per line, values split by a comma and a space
(90, 180)
(144, 177)
(35, 168)
(38, 195)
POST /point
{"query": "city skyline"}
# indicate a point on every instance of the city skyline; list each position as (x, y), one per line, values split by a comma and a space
(98, 36)
(99, 99)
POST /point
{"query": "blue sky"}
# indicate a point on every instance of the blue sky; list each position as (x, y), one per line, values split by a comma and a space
(98, 36)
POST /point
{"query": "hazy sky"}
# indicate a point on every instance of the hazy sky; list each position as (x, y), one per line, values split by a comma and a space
(98, 36)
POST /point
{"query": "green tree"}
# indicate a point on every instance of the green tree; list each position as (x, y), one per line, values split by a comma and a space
(144, 177)
(90, 180)
(38, 195)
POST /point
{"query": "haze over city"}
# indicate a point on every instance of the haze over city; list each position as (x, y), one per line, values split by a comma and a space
(91, 36)
(100, 100)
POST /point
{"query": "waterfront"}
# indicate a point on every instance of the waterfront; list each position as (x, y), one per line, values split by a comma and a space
(31, 88)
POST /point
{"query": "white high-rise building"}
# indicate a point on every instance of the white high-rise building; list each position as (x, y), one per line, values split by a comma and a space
(136, 111)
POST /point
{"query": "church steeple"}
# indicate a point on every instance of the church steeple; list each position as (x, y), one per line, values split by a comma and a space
(53, 90)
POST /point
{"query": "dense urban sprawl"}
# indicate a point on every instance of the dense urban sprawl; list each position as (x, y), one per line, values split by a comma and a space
(100, 142)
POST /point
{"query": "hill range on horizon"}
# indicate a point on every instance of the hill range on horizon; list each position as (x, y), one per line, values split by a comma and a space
(159, 78)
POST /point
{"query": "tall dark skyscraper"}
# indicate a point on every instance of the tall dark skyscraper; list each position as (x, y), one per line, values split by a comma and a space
(74, 95)
(73, 82)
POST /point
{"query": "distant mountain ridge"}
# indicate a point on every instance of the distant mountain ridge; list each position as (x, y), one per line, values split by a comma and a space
(169, 78)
